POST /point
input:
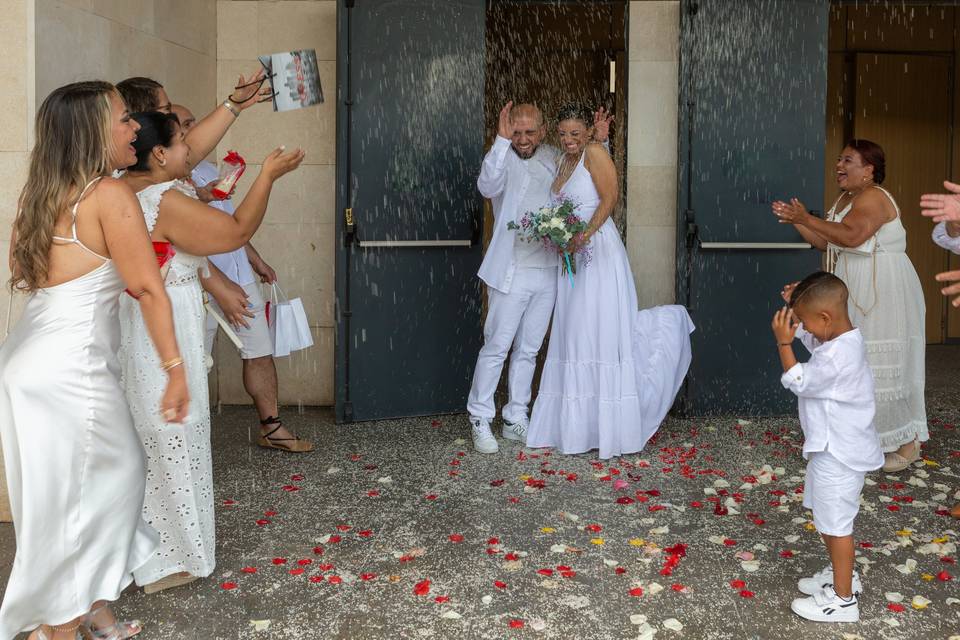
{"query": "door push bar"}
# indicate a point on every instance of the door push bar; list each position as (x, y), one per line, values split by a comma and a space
(751, 246)
(414, 243)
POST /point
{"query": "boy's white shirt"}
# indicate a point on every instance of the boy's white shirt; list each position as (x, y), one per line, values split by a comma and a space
(943, 239)
(836, 400)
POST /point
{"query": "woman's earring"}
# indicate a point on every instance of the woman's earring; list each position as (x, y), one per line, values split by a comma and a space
(163, 162)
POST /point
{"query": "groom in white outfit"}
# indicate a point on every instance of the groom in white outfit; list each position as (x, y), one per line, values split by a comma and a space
(521, 277)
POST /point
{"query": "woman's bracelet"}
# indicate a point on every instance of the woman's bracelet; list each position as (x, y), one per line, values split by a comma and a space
(171, 363)
(231, 107)
(784, 344)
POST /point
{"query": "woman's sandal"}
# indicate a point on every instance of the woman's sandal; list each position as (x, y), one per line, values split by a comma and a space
(116, 630)
(269, 441)
(895, 462)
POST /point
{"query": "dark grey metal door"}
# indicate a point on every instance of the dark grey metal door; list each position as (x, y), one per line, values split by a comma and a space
(410, 124)
(753, 76)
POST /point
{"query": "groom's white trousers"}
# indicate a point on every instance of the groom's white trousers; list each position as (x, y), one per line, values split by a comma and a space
(520, 318)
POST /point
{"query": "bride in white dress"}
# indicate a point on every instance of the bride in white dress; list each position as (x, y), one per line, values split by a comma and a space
(74, 465)
(612, 372)
(179, 491)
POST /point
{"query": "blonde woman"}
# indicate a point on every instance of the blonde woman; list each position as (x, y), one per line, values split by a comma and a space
(75, 466)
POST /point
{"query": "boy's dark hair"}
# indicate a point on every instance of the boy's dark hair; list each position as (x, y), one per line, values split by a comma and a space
(139, 93)
(155, 129)
(819, 286)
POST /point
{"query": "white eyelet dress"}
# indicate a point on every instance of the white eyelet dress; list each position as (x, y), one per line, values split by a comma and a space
(179, 496)
(75, 466)
(886, 304)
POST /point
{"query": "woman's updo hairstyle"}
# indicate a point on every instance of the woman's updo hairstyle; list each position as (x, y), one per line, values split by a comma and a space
(872, 154)
(575, 111)
(156, 128)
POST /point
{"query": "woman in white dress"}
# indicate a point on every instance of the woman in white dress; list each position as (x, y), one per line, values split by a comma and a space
(612, 372)
(75, 467)
(866, 244)
(179, 491)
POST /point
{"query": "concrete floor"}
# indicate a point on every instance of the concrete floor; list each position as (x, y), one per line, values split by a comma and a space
(552, 546)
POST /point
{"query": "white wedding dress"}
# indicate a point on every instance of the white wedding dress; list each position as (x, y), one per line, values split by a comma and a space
(612, 372)
(179, 495)
(74, 464)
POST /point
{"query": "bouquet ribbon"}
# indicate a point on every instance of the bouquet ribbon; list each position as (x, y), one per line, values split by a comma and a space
(566, 258)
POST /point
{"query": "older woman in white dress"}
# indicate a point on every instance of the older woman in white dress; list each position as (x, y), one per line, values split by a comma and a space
(865, 245)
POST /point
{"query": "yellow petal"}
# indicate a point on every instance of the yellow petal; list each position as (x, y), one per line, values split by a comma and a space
(927, 576)
(597, 540)
(942, 540)
(931, 463)
(548, 530)
(809, 527)
(525, 477)
(904, 533)
(637, 542)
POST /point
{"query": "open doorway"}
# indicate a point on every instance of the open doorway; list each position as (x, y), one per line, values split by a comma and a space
(891, 71)
(549, 53)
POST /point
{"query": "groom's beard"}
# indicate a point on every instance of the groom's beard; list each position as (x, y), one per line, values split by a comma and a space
(525, 156)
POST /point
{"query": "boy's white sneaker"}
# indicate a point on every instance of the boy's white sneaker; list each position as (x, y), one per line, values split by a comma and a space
(823, 579)
(516, 430)
(483, 440)
(827, 606)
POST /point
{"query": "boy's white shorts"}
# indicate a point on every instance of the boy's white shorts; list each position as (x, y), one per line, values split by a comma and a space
(832, 492)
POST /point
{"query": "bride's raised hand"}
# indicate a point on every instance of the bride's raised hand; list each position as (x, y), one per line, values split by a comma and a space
(942, 206)
(602, 119)
(504, 124)
(793, 212)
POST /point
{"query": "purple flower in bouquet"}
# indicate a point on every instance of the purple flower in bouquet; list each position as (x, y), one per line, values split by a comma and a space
(556, 226)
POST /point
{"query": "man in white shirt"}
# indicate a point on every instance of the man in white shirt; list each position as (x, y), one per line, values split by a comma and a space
(836, 400)
(521, 277)
(243, 306)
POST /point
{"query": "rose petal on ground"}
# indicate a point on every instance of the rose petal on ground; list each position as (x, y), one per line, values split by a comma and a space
(422, 588)
(673, 624)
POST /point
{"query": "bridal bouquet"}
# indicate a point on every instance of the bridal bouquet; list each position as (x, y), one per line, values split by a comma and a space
(555, 226)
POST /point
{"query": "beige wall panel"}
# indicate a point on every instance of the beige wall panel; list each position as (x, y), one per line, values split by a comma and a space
(189, 24)
(651, 197)
(237, 29)
(306, 195)
(14, 79)
(299, 24)
(652, 253)
(654, 30)
(138, 14)
(652, 103)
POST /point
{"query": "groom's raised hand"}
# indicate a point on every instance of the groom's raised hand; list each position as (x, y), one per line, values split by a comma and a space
(505, 125)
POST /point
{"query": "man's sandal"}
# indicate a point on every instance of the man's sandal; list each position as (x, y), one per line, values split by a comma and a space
(292, 445)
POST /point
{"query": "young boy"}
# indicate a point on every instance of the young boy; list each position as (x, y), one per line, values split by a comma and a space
(835, 391)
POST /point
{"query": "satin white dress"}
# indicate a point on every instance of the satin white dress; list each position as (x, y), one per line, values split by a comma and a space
(75, 466)
(179, 494)
(612, 372)
(886, 303)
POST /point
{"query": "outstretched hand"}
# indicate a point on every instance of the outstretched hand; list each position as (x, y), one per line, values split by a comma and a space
(602, 119)
(787, 292)
(793, 212)
(505, 124)
(250, 91)
(953, 289)
(942, 206)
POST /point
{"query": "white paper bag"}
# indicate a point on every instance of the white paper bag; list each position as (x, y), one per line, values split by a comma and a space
(289, 328)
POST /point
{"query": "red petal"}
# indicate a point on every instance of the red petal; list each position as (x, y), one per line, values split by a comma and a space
(269, 514)
(456, 537)
(431, 496)
(943, 576)
(442, 599)
(895, 607)
(422, 588)
(367, 576)
(728, 542)
(344, 527)
(496, 483)
(636, 592)
(279, 561)
(619, 571)
(304, 562)
(318, 551)
(262, 522)
(365, 533)
(786, 554)
(500, 584)
(296, 572)
(738, 584)
(545, 572)
(516, 624)
(316, 579)
(334, 579)
(249, 570)
(334, 539)
(746, 594)
(227, 586)
(296, 477)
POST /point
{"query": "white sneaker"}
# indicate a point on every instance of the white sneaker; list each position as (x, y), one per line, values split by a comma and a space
(483, 440)
(516, 430)
(823, 579)
(827, 606)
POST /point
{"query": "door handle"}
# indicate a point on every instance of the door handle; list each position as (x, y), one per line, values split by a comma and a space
(754, 246)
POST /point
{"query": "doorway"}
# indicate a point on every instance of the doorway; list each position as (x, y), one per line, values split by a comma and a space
(547, 53)
(891, 80)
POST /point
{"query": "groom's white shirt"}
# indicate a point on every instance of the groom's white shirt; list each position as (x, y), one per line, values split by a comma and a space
(506, 180)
